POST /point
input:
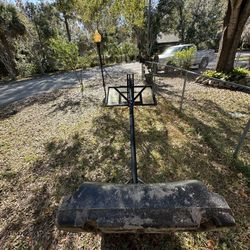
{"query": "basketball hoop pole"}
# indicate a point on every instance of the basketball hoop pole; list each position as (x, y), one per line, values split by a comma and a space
(131, 102)
(101, 66)
(97, 39)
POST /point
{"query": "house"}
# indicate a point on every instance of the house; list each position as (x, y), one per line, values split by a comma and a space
(166, 40)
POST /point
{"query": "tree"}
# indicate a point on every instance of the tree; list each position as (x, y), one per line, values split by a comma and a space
(204, 23)
(67, 8)
(47, 24)
(64, 54)
(110, 16)
(11, 27)
(235, 19)
(194, 21)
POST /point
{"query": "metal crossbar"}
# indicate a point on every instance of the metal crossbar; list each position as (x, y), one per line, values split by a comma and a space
(121, 93)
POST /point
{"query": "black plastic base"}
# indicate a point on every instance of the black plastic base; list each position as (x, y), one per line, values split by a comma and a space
(148, 208)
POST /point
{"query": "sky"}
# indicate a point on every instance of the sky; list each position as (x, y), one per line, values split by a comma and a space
(154, 2)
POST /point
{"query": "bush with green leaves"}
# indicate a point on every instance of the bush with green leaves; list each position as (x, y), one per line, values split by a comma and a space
(235, 75)
(112, 51)
(239, 73)
(129, 51)
(183, 59)
(25, 63)
(64, 55)
(26, 69)
(83, 62)
(117, 52)
(215, 74)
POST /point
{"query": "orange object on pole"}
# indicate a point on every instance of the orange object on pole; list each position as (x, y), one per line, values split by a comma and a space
(97, 37)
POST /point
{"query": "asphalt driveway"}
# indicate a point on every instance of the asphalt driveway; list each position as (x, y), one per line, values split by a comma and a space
(20, 90)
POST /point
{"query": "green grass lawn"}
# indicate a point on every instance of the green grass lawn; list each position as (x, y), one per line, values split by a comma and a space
(49, 146)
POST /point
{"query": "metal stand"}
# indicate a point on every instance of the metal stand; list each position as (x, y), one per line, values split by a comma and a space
(131, 96)
(101, 66)
(131, 102)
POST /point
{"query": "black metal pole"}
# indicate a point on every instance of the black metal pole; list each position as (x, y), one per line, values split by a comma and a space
(101, 66)
(130, 86)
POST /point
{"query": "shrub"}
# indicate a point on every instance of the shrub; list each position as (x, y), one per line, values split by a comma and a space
(235, 75)
(184, 58)
(93, 59)
(238, 73)
(83, 62)
(113, 52)
(125, 51)
(24, 58)
(64, 54)
(26, 69)
(129, 50)
(215, 74)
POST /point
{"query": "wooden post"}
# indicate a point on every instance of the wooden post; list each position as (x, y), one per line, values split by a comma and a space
(240, 143)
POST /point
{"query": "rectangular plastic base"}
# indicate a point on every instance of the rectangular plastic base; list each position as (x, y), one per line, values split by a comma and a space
(148, 208)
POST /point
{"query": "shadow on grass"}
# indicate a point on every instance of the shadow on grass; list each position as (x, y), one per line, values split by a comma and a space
(140, 241)
(163, 88)
(16, 107)
(43, 216)
(73, 105)
(221, 136)
(105, 158)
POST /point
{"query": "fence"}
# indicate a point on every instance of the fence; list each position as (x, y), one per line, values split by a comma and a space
(185, 75)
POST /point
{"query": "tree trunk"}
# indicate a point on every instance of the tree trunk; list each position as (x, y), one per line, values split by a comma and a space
(182, 23)
(40, 52)
(67, 26)
(236, 17)
(149, 29)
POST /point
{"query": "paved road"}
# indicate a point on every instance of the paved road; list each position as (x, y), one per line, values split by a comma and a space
(20, 90)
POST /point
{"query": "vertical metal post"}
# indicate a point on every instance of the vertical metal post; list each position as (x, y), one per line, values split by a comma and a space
(101, 66)
(153, 72)
(81, 83)
(142, 72)
(183, 91)
(240, 143)
(130, 89)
